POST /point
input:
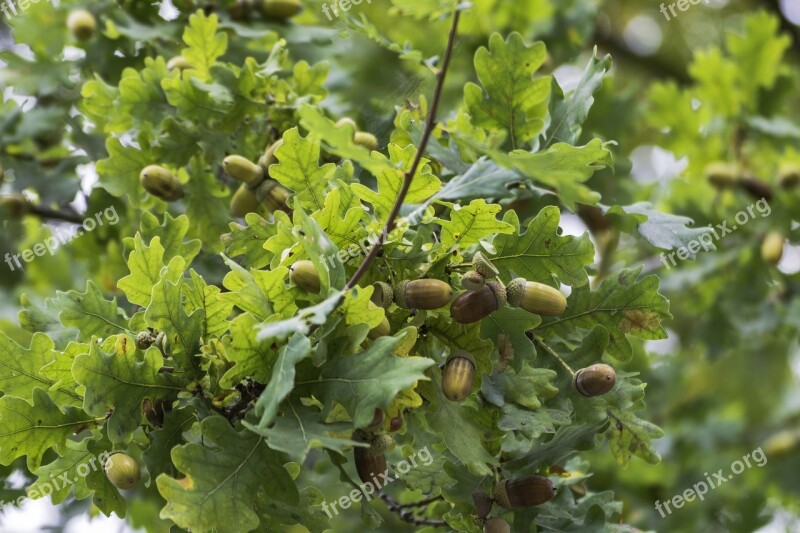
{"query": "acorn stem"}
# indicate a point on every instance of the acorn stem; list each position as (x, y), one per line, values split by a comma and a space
(552, 352)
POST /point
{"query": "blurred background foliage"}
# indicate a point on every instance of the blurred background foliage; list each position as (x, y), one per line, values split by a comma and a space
(718, 82)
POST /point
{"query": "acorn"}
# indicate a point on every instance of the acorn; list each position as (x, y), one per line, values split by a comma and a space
(154, 411)
(424, 294)
(789, 176)
(16, 205)
(535, 297)
(473, 306)
(483, 266)
(269, 155)
(347, 121)
(366, 139)
(160, 182)
(595, 380)
(81, 24)
(273, 195)
(782, 443)
(280, 9)
(721, 174)
(382, 294)
(178, 63)
(242, 169)
(483, 503)
(756, 188)
(772, 248)
(122, 471)
(369, 465)
(244, 201)
(304, 275)
(524, 492)
(382, 329)
(473, 280)
(239, 10)
(496, 525)
(458, 375)
(396, 423)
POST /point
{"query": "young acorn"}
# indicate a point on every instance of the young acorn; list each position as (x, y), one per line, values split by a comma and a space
(772, 248)
(458, 375)
(473, 280)
(304, 274)
(789, 176)
(242, 169)
(345, 121)
(160, 182)
(269, 155)
(496, 525)
(280, 9)
(16, 205)
(423, 294)
(366, 139)
(473, 306)
(122, 471)
(382, 329)
(178, 63)
(524, 491)
(81, 24)
(595, 380)
(721, 175)
(382, 294)
(536, 298)
(244, 201)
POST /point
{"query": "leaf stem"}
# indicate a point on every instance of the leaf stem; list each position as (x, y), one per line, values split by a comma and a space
(552, 352)
(430, 124)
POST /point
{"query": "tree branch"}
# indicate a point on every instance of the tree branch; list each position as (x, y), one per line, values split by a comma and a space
(430, 123)
(407, 516)
(52, 214)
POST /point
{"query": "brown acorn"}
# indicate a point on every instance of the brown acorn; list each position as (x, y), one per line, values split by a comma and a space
(772, 248)
(496, 525)
(369, 465)
(473, 280)
(458, 375)
(366, 139)
(595, 380)
(483, 503)
(789, 176)
(16, 205)
(242, 169)
(304, 275)
(524, 492)
(485, 267)
(160, 182)
(755, 187)
(244, 201)
(535, 297)
(424, 294)
(473, 306)
(721, 175)
(396, 423)
(382, 294)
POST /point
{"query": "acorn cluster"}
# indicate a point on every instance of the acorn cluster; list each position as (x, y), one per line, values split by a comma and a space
(257, 188)
(724, 175)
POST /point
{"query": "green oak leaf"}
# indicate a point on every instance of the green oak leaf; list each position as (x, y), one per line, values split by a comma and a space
(204, 44)
(33, 428)
(119, 173)
(171, 233)
(298, 169)
(629, 435)
(223, 476)
(145, 263)
(250, 357)
(512, 322)
(117, 380)
(469, 224)
(90, 313)
(216, 310)
(248, 241)
(281, 382)
(164, 439)
(523, 388)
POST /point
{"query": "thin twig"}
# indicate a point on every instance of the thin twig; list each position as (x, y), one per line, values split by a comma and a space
(408, 516)
(52, 214)
(409, 176)
(552, 352)
(420, 503)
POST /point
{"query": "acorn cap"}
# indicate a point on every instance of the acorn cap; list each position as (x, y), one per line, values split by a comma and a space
(81, 24)
(122, 471)
(424, 294)
(496, 525)
(366, 139)
(473, 280)
(381, 443)
(484, 266)
(160, 182)
(772, 248)
(595, 380)
(501, 494)
(458, 376)
(242, 169)
(280, 9)
(304, 274)
(382, 294)
(244, 201)
(16, 205)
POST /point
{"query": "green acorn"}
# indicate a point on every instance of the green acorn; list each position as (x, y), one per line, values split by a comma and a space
(485, 267)
(160, 182)
(304, 275)
(242, 169)
(122, 471)
(473, 280)
(269, 155)
(280, 9)
(347, 121)
(535, 297)
(772, 248)
(458, 375)
(273, 195)
(244, 201)
(473, 306)
(366, 139)
(789, 176)
(524, 492)
(382, 294)
(16, 205)
(721, 174)
(595, 380)
(496, 525)
(382, 329)
(81, 24)
(178, 63)
(423, 294)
